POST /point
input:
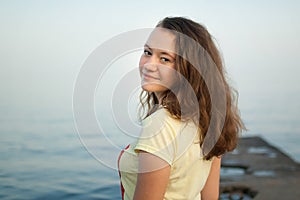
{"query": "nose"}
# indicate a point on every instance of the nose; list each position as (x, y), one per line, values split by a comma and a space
(151, 64)
(150, 67)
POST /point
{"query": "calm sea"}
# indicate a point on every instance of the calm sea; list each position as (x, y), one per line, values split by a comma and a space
(41, 156)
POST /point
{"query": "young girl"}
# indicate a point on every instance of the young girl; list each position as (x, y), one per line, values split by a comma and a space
(190, 119)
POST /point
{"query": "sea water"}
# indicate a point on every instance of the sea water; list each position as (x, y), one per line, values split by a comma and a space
(42, 156)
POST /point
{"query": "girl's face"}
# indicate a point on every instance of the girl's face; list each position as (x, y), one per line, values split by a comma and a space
(158, 62)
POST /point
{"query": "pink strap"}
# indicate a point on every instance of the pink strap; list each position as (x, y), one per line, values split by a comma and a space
(122, 188)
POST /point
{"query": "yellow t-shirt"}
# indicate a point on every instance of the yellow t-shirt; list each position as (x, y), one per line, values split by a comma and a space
(177, 143)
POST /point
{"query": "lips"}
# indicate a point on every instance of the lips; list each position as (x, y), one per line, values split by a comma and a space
(148, 76)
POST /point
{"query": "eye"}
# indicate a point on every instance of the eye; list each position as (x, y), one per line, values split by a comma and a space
(147, 52)
(163, 59)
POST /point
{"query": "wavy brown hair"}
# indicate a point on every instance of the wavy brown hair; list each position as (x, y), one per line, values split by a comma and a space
(179, 101)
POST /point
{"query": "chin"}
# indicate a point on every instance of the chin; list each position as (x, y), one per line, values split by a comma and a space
(148, 88)
(153, 88)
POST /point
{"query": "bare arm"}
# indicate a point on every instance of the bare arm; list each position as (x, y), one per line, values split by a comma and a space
(153, 177)
(211, 188)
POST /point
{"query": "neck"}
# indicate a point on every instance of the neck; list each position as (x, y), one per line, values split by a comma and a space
(159, 96)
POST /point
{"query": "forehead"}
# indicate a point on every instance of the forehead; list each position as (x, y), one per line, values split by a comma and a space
(163, 39)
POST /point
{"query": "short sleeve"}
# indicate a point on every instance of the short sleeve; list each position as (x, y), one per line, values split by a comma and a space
(158, 136)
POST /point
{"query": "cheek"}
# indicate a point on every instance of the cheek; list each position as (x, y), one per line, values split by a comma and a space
(170, 79)
(141, 63)
(168, 74)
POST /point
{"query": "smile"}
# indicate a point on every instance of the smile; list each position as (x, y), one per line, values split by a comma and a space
(147, 76)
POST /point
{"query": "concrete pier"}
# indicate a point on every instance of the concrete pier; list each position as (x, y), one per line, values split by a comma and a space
(258, 170)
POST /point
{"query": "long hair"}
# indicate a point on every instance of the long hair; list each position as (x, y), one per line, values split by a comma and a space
(233, 124)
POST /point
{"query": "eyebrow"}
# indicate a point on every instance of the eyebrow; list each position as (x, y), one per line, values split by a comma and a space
(162, 52)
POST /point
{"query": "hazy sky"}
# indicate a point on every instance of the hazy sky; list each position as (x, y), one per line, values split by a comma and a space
(44, 43)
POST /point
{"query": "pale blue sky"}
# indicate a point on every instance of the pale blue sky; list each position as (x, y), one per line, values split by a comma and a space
(44, 43)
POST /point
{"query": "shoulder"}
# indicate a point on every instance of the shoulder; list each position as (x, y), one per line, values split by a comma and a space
(160, 124)
(162, 115)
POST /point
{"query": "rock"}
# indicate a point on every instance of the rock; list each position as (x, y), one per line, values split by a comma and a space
(258, 170)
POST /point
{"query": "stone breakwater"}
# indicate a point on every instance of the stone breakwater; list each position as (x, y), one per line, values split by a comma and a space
(258, 170)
